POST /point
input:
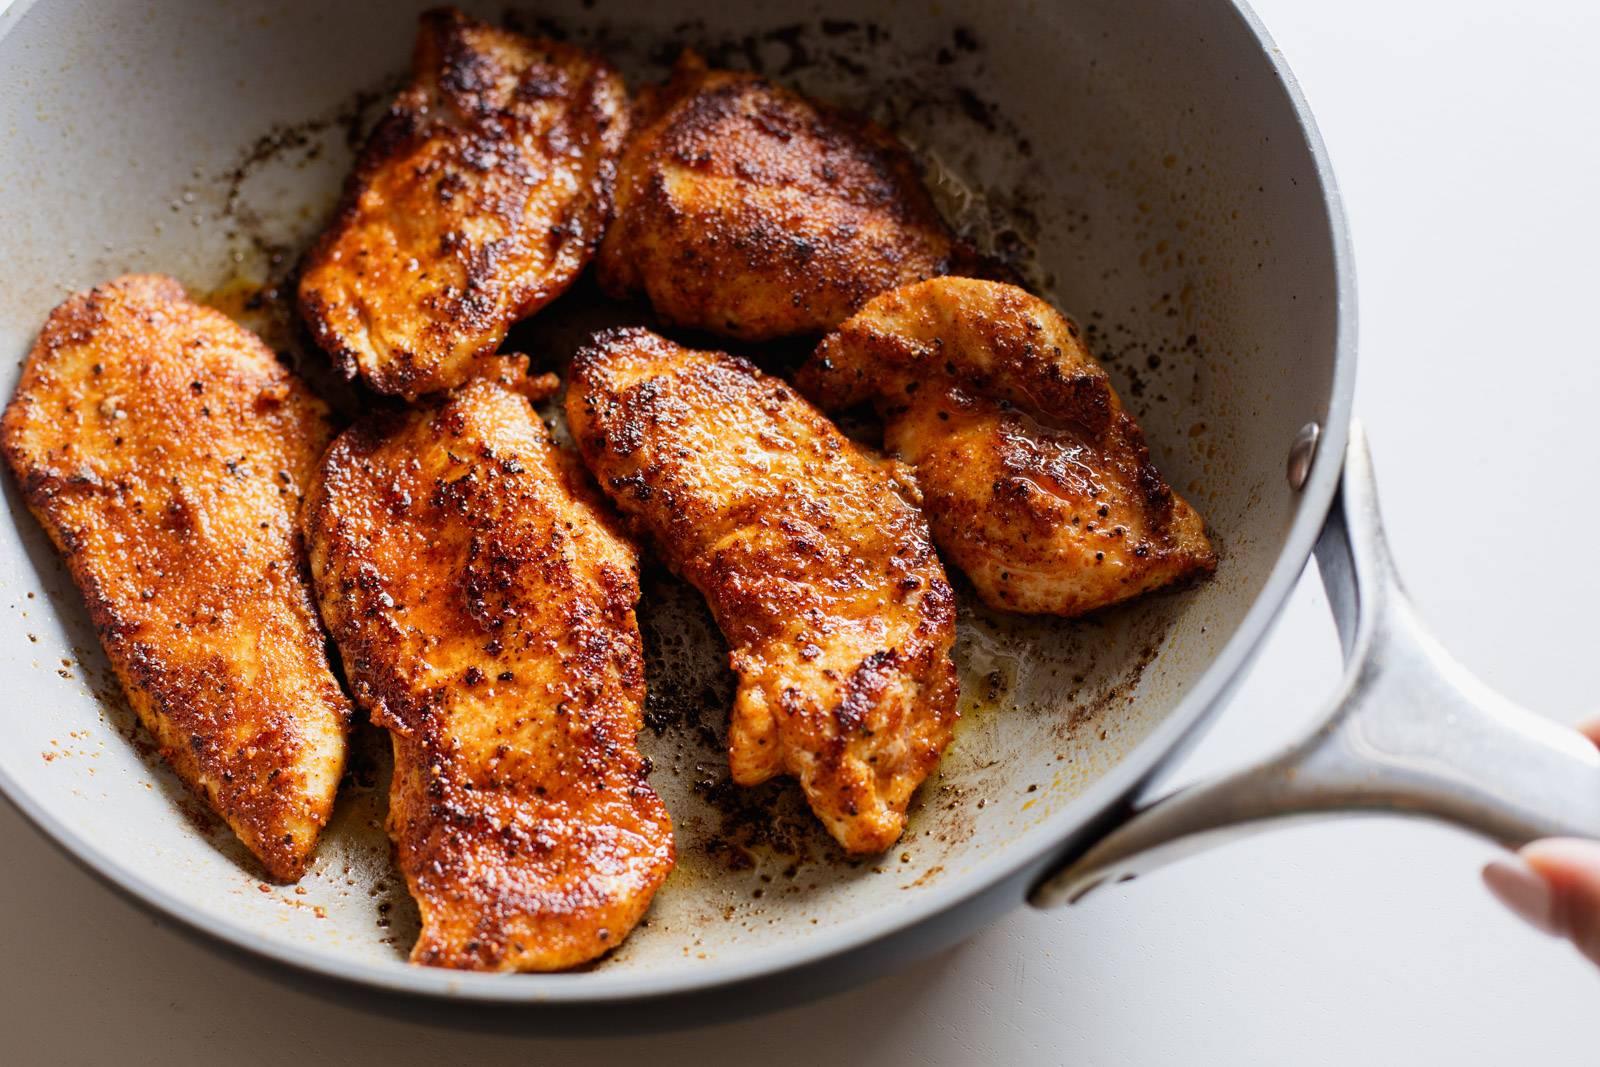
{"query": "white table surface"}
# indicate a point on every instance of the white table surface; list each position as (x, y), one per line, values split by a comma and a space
(1465, 139)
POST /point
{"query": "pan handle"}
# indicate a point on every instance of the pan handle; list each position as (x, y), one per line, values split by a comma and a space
(1409, 732)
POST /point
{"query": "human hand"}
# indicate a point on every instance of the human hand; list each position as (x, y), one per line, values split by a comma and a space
(1554, 885)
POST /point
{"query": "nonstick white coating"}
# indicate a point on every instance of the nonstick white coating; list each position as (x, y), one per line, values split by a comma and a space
(1148, 164)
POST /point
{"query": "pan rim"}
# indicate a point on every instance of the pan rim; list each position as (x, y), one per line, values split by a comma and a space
(1033, 847)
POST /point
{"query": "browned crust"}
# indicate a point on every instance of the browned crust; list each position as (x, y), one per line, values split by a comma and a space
(163, 448)
(820, 573)
(1036, 480)
(748, 210)
(402, 288)
(484, 606)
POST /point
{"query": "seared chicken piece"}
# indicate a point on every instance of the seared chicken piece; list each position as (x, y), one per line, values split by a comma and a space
(1037, 483)
(164, 449)
(820, 573)
(484, 608)
(477, 201)
(751, 211)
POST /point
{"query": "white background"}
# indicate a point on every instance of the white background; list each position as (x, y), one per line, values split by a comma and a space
(1465, 138)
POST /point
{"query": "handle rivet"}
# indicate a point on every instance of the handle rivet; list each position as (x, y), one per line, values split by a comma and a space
(1301, 453)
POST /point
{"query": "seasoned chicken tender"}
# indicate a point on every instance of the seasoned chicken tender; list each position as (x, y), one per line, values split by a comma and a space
(748, 210)
(820, 573)
(164, 450)
(484, 608)
(477, 201)
(1036, 481)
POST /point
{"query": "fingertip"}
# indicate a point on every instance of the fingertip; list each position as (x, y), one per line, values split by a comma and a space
(1571, 866)
(1523, 891)
(1589, 726)
(1566, 860)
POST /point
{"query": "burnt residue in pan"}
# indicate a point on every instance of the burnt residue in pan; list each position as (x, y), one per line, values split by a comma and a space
(340, 129)
(266, 241)
(689, 691)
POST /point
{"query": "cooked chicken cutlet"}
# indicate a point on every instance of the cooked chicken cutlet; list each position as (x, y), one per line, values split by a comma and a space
(748, 210)
(1036, 481)
(164, 450)
(484, 607)
(819, 571)
(477, 200)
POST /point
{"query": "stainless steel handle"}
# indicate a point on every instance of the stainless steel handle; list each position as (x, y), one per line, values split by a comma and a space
(1409, 732)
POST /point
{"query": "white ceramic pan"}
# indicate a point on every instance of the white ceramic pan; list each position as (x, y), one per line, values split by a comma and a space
(1153, 164)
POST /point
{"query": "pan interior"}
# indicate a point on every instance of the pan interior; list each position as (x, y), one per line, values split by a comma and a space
(1147, 176)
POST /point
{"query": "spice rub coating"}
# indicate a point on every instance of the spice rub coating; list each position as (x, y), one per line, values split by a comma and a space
(812, 555)
(1036, 481)
(748, 210)
(484, 608)
(164, 450)
(477, 200)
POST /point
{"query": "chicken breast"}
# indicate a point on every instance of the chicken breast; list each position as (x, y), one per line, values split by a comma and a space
(748, 210)
(1036, 481)
(164, 450)
(478, 199)
(484, 608)
(819, 571)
